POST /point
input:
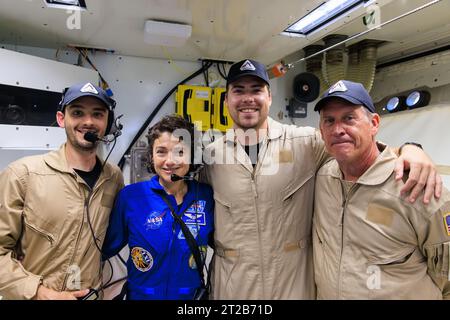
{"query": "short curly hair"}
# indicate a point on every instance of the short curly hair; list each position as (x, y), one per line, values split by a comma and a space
(169, 124)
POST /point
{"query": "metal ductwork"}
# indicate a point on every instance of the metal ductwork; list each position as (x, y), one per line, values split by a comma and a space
(335, 69)
(358, 66)
(362, 61)
(368, 62)
(353, 73)
(314, 65)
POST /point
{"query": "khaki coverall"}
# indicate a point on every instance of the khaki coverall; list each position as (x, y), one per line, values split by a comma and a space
(44, 232)
(263, 215)
(370, 243)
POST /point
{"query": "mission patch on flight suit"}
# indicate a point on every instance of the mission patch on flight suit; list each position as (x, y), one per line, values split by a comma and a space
(142, 259)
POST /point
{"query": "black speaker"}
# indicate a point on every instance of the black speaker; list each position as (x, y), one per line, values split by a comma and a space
(306, 87)
(26, 106)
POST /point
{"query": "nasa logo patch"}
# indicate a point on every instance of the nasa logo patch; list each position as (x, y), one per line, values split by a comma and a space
(154, 220)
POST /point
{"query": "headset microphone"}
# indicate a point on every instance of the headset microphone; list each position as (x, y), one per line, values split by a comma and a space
(92, 137)
(174, 177)
(189, 177)
(115, 131)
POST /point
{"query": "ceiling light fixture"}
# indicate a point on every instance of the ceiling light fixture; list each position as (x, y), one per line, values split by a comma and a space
(395, 104)
(166, 33)
(322, 15)
(66, 4)
(417, 99)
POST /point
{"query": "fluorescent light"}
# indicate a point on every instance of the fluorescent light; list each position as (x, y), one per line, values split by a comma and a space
(166, 33)
(70, 2)
(321, 15)
(66, 4)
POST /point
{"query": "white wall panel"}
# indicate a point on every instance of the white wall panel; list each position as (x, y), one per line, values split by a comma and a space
(24, 70)
(427, 126)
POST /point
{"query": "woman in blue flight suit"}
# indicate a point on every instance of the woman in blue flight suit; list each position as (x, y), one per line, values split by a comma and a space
(161, 265)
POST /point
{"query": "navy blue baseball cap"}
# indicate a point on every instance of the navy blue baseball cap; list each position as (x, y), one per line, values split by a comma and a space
(247, 68)
(85, 89)
(352, 92)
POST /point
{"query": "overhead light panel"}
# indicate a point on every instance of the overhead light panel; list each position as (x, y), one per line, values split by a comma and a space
(166, 33)
(67, 4)
(323, 14)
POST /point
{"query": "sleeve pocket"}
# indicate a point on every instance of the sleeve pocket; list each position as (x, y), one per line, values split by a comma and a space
(439, 259)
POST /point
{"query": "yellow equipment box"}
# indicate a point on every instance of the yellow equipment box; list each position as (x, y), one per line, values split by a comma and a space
(193, 103)
(220, 116)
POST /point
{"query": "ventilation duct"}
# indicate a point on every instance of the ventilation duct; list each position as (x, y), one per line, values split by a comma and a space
(367, 62)
(334, 59)
(362, 61)
(314, 64)
(358, 66)
(353, 70)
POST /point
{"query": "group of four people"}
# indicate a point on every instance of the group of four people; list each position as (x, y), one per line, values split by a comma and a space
(365, 239)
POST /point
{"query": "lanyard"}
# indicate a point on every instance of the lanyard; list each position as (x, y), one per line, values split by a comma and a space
(187, 235)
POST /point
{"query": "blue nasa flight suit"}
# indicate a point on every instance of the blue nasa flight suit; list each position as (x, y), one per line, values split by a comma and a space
(160, 265)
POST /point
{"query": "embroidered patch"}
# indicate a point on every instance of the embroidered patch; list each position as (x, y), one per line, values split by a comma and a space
(154, 220)
(192, 228)
(203, 250)
(142, 259)
(88, 87)
(197, 219)
(338, 86)
(197, 207)
(247, 65)
(447, 222)
(195, 214)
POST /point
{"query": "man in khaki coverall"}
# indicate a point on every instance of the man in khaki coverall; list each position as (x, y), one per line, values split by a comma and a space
(263, 175)
(369, 243)
(47, 248)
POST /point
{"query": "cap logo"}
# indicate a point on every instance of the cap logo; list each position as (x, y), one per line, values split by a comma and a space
(338, 86)
(88, 87)
(247, 65)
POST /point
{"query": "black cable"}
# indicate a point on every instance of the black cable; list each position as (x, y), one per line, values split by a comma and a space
(224, 71)
(88, 200)
(121, 259)
(84, 54)
(207, 285)
(220, 71)
(113, 283)
(205, 73)
(156, 110)
(108, 283)
(112, 274)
